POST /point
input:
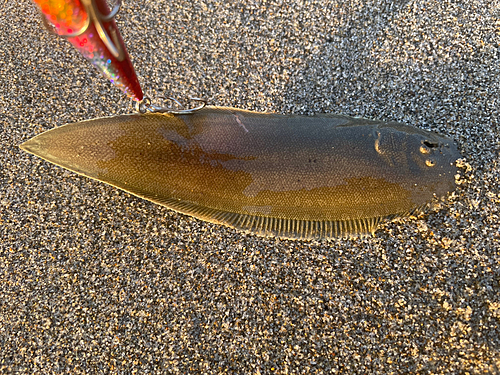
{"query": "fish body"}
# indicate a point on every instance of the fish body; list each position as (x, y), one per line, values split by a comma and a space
(304, 177)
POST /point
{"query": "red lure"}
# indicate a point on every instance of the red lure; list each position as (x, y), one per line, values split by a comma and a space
(90, 27)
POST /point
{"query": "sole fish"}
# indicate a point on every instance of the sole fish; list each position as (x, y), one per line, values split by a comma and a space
(299, 177)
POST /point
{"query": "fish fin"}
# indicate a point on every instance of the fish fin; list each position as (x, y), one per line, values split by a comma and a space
(268, 226)
(304, 229)
(272, 226)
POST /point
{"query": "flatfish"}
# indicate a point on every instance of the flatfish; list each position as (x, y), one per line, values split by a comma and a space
(299, 177)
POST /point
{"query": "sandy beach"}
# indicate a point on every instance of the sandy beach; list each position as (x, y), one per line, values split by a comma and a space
(94, 280)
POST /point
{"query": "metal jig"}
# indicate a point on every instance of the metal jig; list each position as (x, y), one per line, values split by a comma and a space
(145, 106)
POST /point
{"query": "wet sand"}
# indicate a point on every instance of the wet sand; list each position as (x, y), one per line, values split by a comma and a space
(93, 280)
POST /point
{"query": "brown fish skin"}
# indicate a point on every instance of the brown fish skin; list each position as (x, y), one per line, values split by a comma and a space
(288, 176)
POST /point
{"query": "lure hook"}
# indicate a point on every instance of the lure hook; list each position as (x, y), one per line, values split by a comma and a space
(112, 43)
(145, 106)
(97, 18)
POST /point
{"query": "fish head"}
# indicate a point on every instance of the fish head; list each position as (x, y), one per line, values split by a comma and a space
(427, 159)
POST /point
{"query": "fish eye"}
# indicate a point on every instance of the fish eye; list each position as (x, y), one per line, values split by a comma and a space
(425, 150)
(430, 162)
(427, 147)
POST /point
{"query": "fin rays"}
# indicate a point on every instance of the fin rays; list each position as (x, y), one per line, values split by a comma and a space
(273, 226)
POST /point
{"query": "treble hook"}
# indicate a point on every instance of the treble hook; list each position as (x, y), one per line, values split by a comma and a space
(145, 106)
(97, 18)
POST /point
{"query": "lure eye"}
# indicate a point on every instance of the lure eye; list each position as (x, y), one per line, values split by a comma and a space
(430, 162)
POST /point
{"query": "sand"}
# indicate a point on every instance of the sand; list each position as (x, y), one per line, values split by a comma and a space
(93, 280)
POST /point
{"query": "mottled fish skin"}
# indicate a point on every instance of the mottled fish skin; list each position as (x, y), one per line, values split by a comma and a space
(289, 176)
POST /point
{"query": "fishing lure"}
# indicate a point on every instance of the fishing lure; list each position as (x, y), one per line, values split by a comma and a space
(273, 175)
(90, 27)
